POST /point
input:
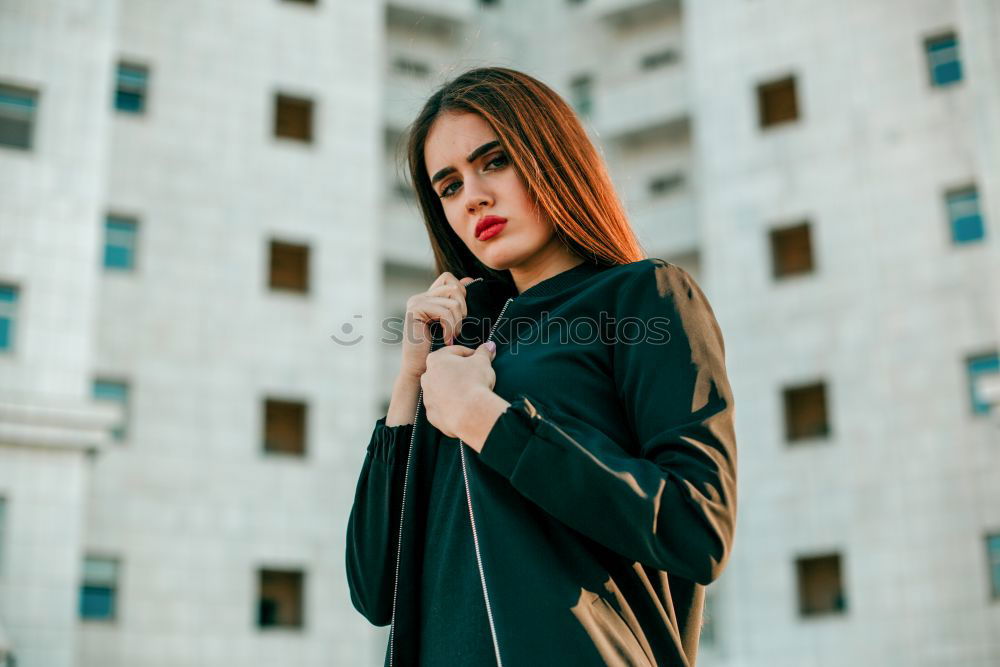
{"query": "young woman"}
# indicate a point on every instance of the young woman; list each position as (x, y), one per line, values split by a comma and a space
(555, 480)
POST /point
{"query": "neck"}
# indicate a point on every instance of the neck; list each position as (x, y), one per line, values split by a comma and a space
(554, 259)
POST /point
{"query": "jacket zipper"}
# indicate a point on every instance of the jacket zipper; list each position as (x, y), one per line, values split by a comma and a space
(402, 510)
(472, 519)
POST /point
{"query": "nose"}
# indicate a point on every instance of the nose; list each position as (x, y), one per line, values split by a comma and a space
(476, 198)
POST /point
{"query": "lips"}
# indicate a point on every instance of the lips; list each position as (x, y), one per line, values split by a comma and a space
(487, 222)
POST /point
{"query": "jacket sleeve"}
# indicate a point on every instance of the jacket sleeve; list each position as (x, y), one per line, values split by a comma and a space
(667, 499)
(372, 529)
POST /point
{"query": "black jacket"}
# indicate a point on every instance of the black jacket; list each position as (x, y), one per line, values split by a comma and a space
(604, 498)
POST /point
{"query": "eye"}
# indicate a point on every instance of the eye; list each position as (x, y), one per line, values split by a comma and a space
(499, 159)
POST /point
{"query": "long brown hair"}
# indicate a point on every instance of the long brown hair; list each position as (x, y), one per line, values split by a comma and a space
(561, 169)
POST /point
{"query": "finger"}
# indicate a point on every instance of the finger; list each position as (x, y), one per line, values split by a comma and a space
(451, 290)
(444, 278)
(430, 312)
(432, 308)
(454, 321)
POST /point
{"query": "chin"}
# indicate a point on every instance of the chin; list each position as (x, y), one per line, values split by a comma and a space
(496, 257)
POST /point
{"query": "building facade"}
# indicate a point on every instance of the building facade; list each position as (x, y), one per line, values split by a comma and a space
(207, 220)
(189, 213)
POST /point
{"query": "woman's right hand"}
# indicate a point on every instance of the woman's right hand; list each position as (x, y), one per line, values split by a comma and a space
(444, 301)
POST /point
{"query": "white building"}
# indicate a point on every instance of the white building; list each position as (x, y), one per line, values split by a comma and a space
(197, 197)
(190, 216)
(849, 192)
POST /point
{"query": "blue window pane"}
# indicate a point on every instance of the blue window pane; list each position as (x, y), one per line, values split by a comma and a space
(114, 391)
(130, 90)
(14, 102)
(947, 73)
(993, 553)
(97, 602)
(131, 76)
(110, 391)
(117, 258)
(8, 313)
(128, 101)
(966, 220)
(968, 229)
(119, 243)
(978, 368)
(943, 60)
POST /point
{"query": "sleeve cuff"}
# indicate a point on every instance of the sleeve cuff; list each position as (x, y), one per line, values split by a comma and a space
(510, 435)
(386, 440)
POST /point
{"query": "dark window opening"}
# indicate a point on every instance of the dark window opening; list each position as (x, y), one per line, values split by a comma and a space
(18, 107)
(778, 102)
(791, 251)
(289, 267)
(280, 599)
(806, 412)
(293, 118)
(660, 59)
(821, 589)
(284, 427)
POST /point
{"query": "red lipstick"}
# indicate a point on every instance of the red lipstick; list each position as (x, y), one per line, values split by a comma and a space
(489, 226)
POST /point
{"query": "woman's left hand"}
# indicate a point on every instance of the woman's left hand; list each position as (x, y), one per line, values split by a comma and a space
(457, 382)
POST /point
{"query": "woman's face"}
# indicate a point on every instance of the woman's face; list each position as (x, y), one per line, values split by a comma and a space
(473, 175)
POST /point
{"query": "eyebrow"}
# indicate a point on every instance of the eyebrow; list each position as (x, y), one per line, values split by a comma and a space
(472, 158)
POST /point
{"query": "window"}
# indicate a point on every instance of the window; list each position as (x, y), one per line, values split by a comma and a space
(119, 243)
(660, 59)
(8, 316)
(131, 87)
(581, 93)
(280, 597)
(980, 367)
(17, 116)
(820, 586)
(289, 267)
(993, 558)
(805, 412)
(791, 251)
(663, 185)
(293, 118)
(99, 590)
(777, 102)
(116, 392)
(943, 62)
(284, 427)
(964, 215)
(409, 67)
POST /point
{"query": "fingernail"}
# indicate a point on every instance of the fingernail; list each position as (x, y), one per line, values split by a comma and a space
(493, 346)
